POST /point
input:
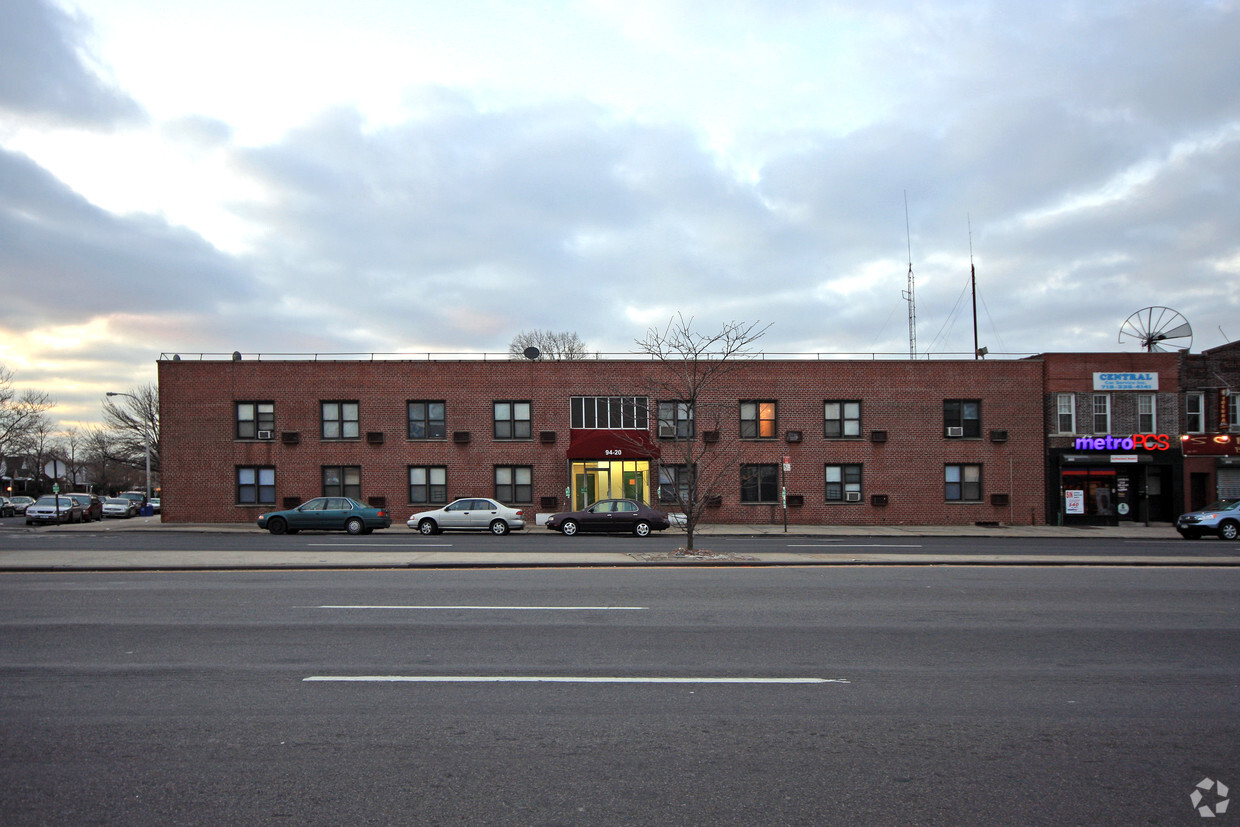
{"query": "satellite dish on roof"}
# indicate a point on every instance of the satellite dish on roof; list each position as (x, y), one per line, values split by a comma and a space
(1158, 330)
(532, 353)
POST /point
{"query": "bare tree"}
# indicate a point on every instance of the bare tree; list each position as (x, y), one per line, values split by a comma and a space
(691, 367)
(133, 419)
(21, 413)
(552, 347)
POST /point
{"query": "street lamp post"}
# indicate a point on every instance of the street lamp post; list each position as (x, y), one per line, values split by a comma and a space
(146, 438)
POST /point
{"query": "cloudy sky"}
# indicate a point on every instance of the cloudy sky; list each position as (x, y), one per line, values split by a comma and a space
(417, 176)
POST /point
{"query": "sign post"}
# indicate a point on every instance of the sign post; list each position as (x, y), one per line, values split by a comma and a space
(783, 488)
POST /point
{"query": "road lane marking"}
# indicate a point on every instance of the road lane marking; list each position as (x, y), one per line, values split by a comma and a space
(505, 608)
(855, 545)
(379, 545)
(553, 679)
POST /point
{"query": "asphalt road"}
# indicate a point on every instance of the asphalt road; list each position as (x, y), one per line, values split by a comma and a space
(924, 695)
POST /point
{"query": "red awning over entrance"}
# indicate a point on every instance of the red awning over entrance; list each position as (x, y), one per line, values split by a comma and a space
(611, 444)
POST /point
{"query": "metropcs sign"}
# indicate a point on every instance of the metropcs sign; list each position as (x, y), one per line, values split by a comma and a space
(1148, 442)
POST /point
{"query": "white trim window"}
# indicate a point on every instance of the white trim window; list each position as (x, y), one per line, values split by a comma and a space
(1147, 416)
(1102, 413)
(1066, 413)
(1195, 412)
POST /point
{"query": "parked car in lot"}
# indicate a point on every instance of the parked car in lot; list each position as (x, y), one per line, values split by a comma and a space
(327, 514)
(120, 507)
(137, 496)
(1221, 519)
(92, 506)
(53, 509)
(611, 516)
(20, 504)
(469, 514)
(6, 507)
(153, 502)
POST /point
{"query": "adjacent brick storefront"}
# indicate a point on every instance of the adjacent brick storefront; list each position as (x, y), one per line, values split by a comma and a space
(927, 442)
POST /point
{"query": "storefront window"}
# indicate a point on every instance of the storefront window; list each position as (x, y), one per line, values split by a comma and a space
(594, 480)
(1091, 492)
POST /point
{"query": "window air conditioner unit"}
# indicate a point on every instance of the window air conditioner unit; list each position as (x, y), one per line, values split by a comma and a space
(955, 430)
(852, 496)
(794, 436)
(264, 434)
(374, 437)
(999, 499)
(546, 437)
(710, 436)
(878, 499)
(998, 436)
(796, 500)
(878, 436)
(290, 437)
(460, 437)
(667, 431)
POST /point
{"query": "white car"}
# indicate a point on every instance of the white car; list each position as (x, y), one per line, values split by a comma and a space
(469, 514)
(53, 509)
(119, 507)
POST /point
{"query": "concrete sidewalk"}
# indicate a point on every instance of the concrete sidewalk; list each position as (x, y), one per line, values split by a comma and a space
(401, 548)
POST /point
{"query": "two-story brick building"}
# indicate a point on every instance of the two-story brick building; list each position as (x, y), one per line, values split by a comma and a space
(851, 442)
(1210, 382)
(1112, 437)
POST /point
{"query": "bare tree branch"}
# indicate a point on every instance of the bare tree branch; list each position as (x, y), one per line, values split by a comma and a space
(693, 364)
(552, 347)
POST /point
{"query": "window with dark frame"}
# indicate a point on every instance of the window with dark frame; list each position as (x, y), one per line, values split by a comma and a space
(340, 420)
(843, 483)
(760, 483)
(512, 419)
(253, 417)
(428, 484)
(962, 417)
(758, 419)
(514, 484)
(342, 481)
(674, 482)
(841, 419)
(428, 419)
(962, 483)
(256, 485)
(676, 420)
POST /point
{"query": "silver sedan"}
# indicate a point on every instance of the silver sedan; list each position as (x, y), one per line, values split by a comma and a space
(468, 514)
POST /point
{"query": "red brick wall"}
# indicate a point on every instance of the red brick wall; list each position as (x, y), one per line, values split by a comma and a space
(904, 398)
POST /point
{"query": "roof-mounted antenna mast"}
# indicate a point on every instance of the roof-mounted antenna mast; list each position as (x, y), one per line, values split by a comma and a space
(909, 293)
(977, 353)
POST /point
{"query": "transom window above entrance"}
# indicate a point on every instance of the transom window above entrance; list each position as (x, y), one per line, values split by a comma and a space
(610, 412)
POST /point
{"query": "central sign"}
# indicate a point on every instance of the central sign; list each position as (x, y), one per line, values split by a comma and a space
(1125, 381)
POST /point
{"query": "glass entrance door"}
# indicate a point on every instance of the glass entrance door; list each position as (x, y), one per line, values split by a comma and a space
(595, 480)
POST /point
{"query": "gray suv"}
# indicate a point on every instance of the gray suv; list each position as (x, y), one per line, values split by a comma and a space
(1221, 518)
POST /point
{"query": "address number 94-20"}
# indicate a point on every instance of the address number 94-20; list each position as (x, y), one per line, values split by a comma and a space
(613, 452)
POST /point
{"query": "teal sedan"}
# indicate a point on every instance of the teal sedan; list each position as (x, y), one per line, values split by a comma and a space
(327, 514)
